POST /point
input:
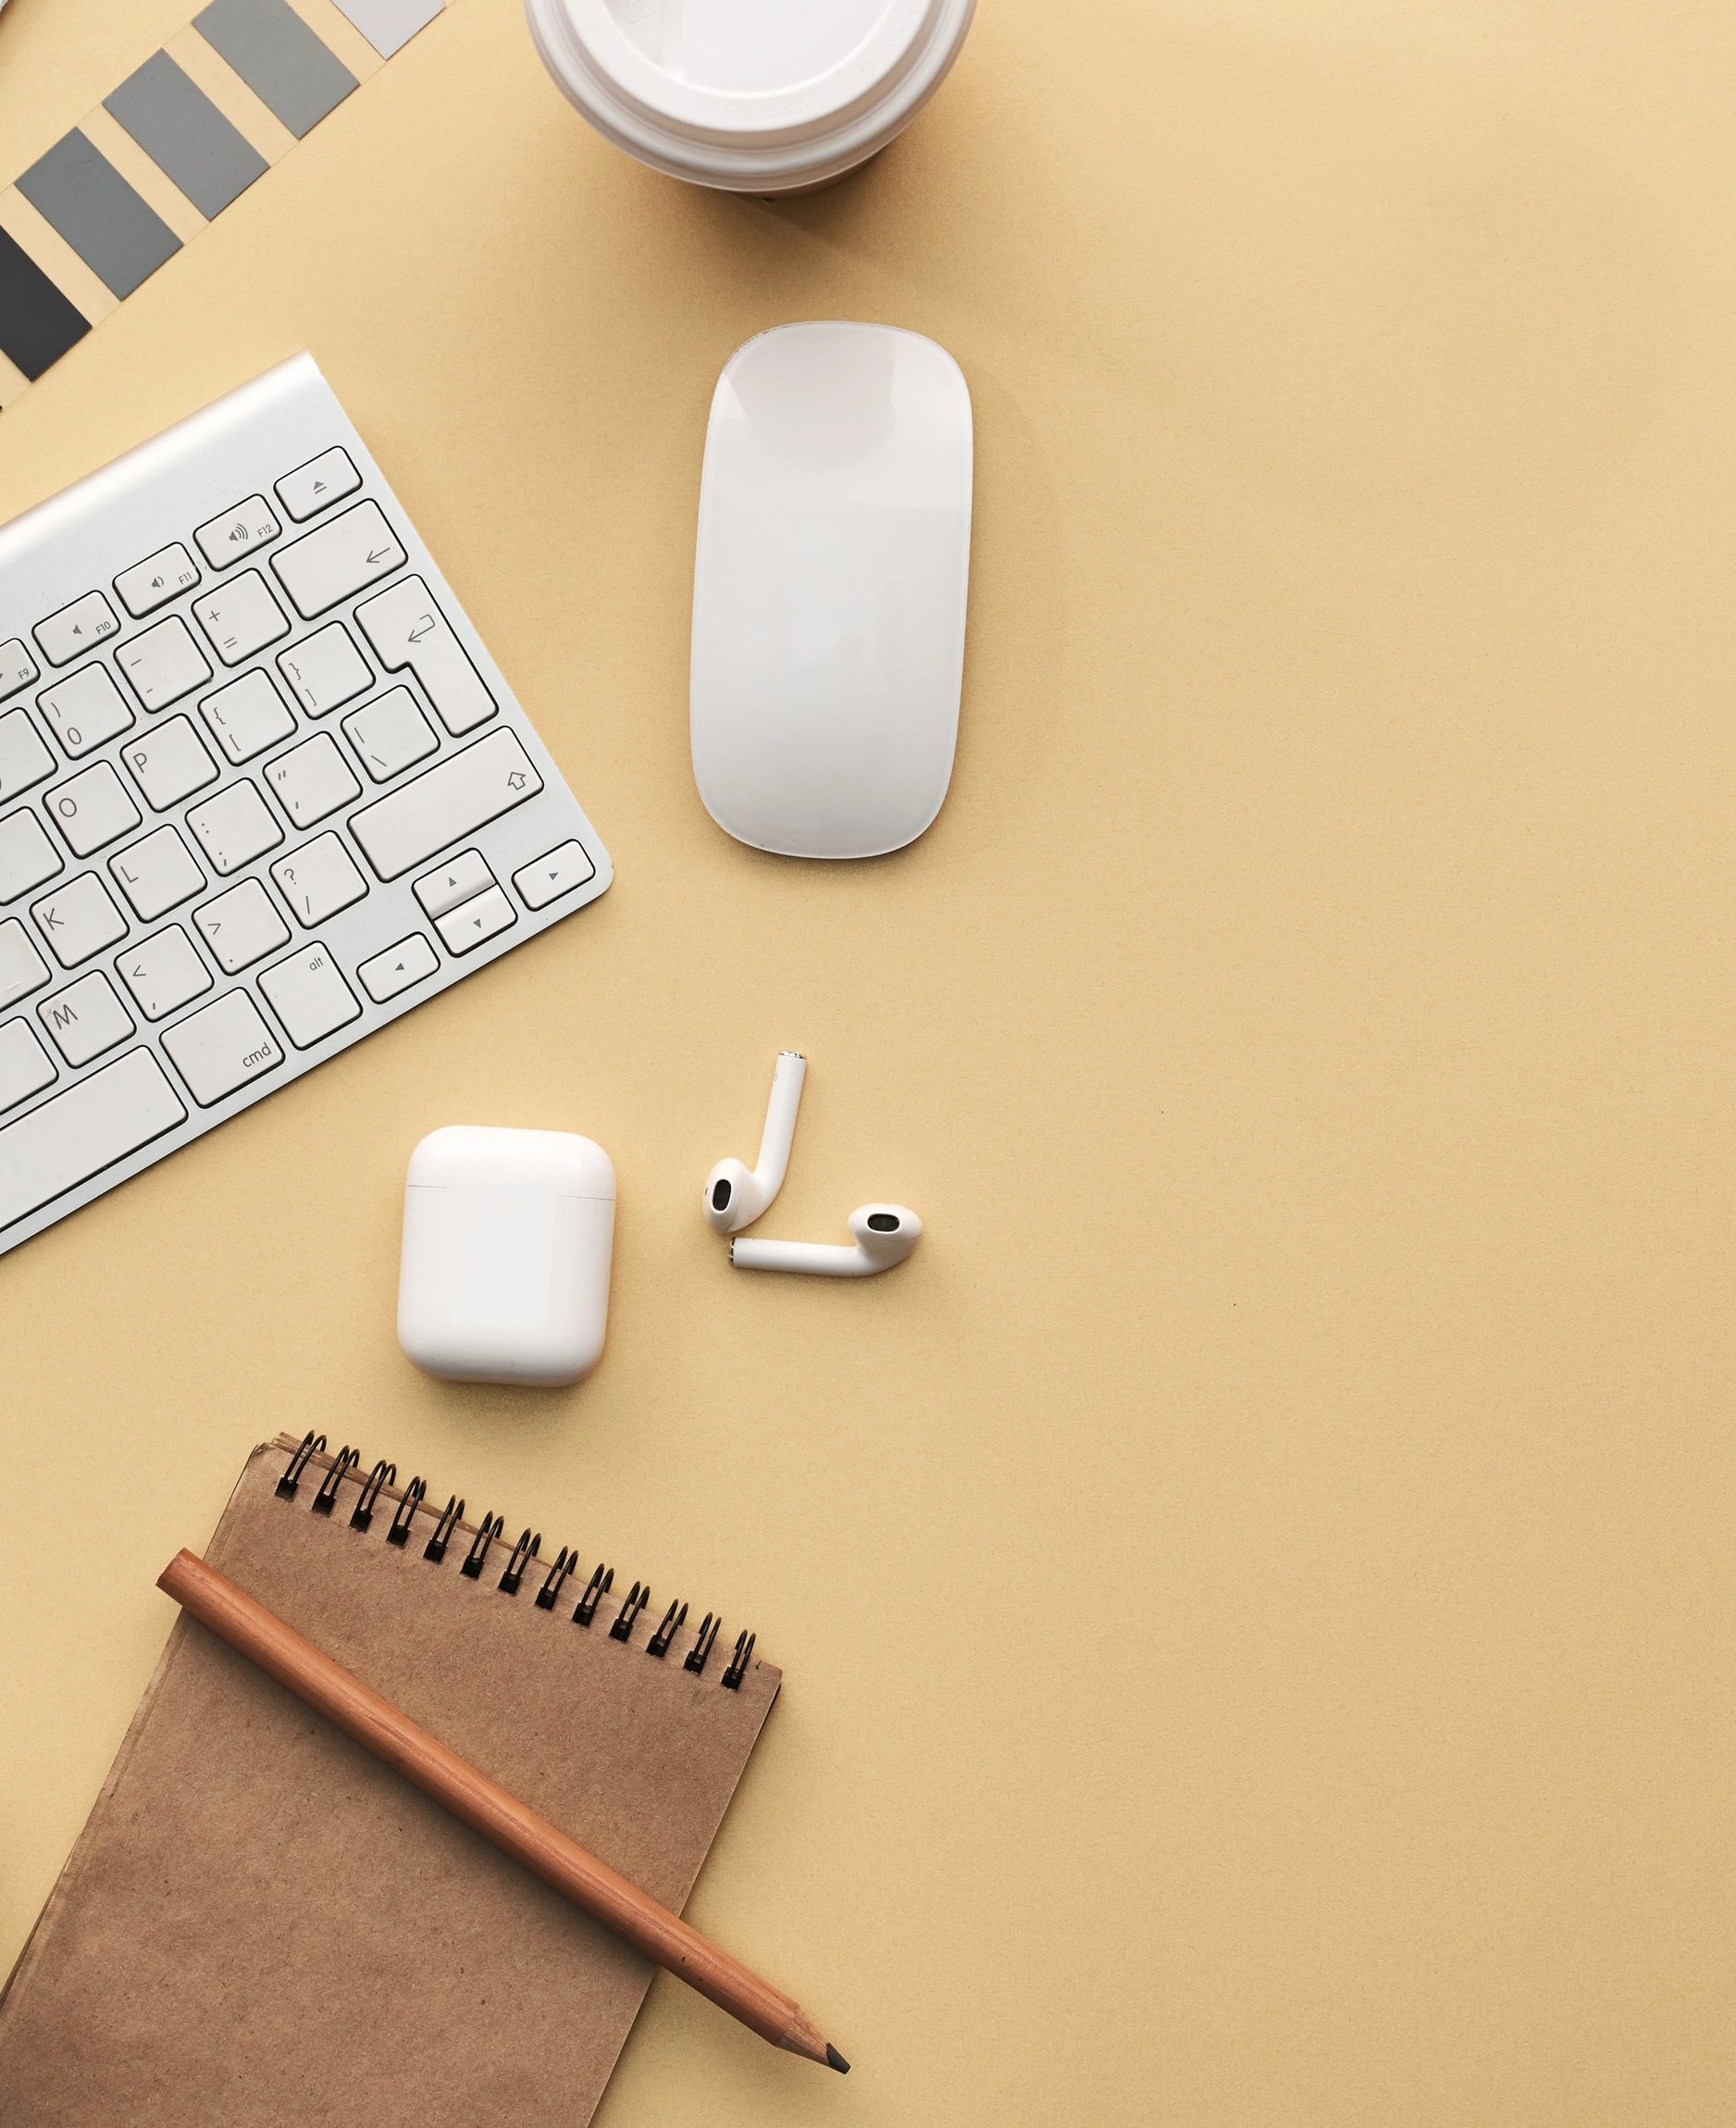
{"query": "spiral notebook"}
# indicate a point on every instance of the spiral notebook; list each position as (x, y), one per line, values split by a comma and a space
(262, 1924)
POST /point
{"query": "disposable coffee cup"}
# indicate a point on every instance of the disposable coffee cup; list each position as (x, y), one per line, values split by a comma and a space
(750, 95)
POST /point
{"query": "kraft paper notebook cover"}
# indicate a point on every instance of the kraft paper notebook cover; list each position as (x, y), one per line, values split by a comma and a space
(261, 1924)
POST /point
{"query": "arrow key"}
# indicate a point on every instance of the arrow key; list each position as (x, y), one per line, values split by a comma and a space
(399, 968)
(461, 878)
(553, 874)
(467, 927)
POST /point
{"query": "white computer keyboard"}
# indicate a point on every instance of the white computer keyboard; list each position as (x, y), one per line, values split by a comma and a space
(262, 789)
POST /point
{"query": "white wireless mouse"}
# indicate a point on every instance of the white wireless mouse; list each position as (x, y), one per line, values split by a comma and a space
(830, 589)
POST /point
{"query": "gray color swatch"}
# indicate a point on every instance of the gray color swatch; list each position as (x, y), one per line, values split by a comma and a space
(185, 134)
(279, 58)
(388, 24)
(78, 192)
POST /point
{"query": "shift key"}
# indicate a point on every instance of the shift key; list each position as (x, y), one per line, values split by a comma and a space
(464, 793)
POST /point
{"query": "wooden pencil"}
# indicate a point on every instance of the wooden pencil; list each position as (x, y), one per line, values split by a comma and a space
(488, 1808)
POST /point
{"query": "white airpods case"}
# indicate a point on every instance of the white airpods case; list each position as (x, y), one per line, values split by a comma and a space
(507, 1241)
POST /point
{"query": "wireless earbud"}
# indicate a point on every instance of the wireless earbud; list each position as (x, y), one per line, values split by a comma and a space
(884, 1235)
(734, 1195)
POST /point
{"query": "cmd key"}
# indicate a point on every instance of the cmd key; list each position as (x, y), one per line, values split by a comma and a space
(222, 1047)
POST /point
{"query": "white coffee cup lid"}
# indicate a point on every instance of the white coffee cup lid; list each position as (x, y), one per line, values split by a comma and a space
(743, 91)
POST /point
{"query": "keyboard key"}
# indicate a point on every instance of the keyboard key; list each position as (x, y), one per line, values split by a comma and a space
(24, 758)
(445, 803)
(326, 670)
(27, 856)
(248, 715)
(309, 996)
(319, 880)
(241, 926)
(222, 1047)
(191, 715)
(157, 579)
(25, 1067)
(76, 628)
(164, 663)
(312, 780)
(554, 875)
(17, 667)
(407, 627)
(459, 879)
(343, 557)
(78, 919)
(156, 873)
(86, 1018)
(399, 968)
(390, 734)
(169, 764)
(165, 973)
(114, 1112)
(470, 924)
(237, 532)
(93, 810)
(85, 710)
(318, 484)
(241, 617)
(234, 828)
(22, 968)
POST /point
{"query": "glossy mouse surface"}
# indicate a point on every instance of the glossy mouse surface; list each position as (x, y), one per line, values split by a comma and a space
(830, 589)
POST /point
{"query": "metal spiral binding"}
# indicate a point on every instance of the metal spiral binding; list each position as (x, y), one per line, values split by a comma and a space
(384, 1475)
(450, 1515)
(414, 1495)
(551, 1589)
(326, 1497)
(596, 1588)
(493, 1525)
(524, 1551)
(674, 1621)
(288, 1484)
(381, 1475)
(637, 1599)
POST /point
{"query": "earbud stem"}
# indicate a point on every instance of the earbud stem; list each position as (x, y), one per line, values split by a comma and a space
(788, 1077)
(819, 1259)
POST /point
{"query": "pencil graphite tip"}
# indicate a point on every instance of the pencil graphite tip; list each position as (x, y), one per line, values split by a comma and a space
(834, 2059)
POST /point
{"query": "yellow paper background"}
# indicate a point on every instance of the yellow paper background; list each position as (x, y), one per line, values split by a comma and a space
(1256, 1591)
